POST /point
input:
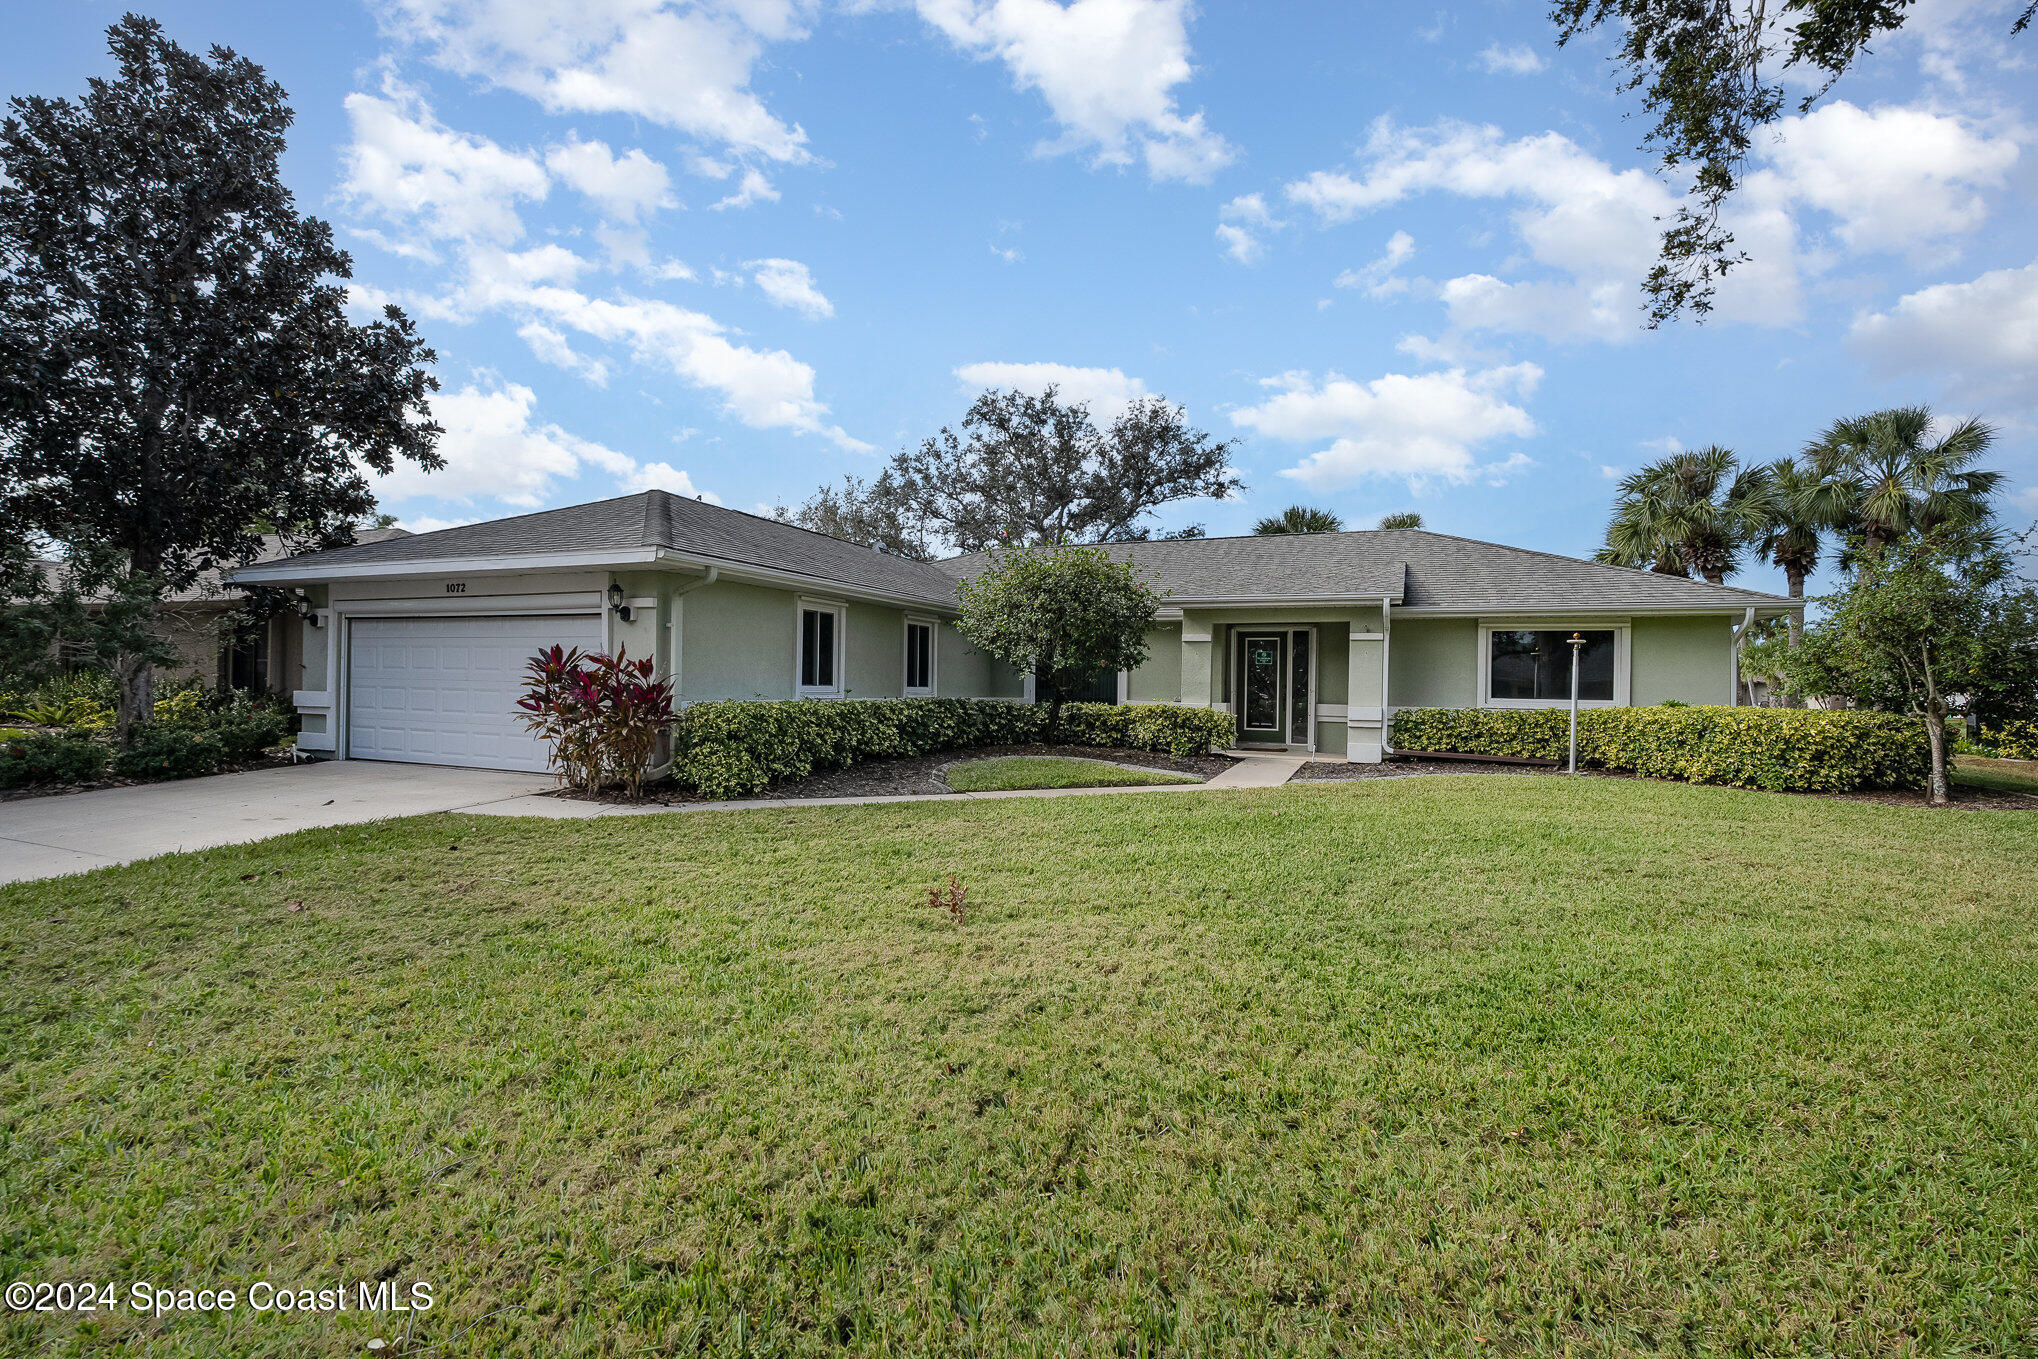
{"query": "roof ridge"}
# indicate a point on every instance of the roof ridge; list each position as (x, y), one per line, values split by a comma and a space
(1655, 577)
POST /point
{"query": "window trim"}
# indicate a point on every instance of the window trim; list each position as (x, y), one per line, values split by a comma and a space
(1619, 627)
(802, 606)
(933, 626)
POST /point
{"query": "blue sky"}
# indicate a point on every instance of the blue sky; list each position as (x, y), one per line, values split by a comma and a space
(738, 249)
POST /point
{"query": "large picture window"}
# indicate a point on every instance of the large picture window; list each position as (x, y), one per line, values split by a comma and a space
(1534, 666)
(919, 658)
(820, 669)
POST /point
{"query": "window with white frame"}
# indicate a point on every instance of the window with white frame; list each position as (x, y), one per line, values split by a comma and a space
(820, 650)
(1530, 667)
(919, 657)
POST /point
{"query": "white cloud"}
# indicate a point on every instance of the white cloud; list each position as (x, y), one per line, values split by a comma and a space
(624, 187)
(427, 523)
(684, 66)
(1243, 224)
(1378, 278)
(1519, 59)
(1105, 390)
(418, 175)
(494, 449)
(1107, 69)
(1420, 427)
(755, 188)
(789, 283)
(1980, 336)
(1891, 179)
(551, 346)
(663, 476)
(1895, 178)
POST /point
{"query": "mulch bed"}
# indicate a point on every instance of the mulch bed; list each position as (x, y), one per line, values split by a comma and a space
(920, 774)
(1333, 771)
(274, 761)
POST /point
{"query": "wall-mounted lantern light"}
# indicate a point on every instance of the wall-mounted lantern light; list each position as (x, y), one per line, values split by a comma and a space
(305, 608)
(616, 604)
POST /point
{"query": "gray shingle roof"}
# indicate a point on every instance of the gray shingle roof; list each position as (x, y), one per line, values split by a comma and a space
(657, 519)
(1414, 567)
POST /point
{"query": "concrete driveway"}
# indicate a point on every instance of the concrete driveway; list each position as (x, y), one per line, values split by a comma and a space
(47, 836)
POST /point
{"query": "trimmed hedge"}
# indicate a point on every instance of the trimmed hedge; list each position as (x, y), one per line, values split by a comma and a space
(2016, 739)
(48, 757)
(729, 749)
(1800, 750)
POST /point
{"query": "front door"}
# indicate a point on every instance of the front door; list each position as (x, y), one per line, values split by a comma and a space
(1262, 715)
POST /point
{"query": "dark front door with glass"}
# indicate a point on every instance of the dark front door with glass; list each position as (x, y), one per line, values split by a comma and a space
(1262, 711)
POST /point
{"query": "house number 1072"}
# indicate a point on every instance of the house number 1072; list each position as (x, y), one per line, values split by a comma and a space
(456, 587)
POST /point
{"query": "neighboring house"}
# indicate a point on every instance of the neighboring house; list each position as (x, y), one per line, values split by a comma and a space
(197, 622)
(415, 645)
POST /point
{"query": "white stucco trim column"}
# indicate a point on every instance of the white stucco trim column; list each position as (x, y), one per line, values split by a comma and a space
(1365, 696)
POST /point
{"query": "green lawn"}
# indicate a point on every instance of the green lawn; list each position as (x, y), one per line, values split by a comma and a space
(1049, 771)
(1453, 1066)
(1997, 776)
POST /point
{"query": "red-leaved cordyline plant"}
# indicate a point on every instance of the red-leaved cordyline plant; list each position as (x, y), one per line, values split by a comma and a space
(601, 715)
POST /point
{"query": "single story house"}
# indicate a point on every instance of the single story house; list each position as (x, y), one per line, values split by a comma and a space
(413, 646)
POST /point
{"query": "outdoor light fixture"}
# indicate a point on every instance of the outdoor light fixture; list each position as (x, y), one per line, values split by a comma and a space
(616, 604)
(1577, 645)
(306, 610)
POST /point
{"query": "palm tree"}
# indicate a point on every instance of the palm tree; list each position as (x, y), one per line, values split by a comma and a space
(1692, 511)
(1300, 519)
(1802, 504)
(1405, 519)
(1896, 480)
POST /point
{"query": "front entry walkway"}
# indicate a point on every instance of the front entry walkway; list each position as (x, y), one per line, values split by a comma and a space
(1255, 769)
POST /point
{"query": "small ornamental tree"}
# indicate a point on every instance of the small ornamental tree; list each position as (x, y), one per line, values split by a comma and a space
(1931, 626)
(1061, 614)
(601, 715)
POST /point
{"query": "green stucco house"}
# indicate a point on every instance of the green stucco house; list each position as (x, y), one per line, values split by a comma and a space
(413, 647)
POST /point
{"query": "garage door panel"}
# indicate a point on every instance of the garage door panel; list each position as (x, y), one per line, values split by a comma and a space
(444, 690)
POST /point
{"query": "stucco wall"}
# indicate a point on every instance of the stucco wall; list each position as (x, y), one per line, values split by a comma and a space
(1435, 661)
(1432, 663)
(1160, 679)
(1681, 658)
(737, 642)
(875, 652)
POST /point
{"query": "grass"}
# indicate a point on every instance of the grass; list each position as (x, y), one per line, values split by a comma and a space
(1997, 776)
(1454, 1066)
(1050, 771)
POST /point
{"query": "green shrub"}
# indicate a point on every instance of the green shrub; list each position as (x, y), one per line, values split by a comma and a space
(2013, 740)
(160, 750)
(44, 757)
(244, 736)
(1780, 749)
(85, 714)
(730, 749)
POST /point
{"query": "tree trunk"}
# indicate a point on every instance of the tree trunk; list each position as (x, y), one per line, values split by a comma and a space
(135, 681)
(1795, 574)
(1935, 732)
(1053, 716)
(1713, 576)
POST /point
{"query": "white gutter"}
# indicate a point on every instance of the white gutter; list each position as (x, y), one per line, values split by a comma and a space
(1734, 661)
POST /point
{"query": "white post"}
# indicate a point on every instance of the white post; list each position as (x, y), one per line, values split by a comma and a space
(1577, 641)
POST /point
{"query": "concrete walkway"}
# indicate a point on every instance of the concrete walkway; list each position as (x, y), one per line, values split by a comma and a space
(1255, 769)
(69, 833)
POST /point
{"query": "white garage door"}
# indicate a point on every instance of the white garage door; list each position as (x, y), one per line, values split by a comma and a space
(444, 690)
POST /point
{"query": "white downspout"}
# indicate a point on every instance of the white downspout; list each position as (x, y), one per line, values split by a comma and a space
(1386, 640)
(1734, 662)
